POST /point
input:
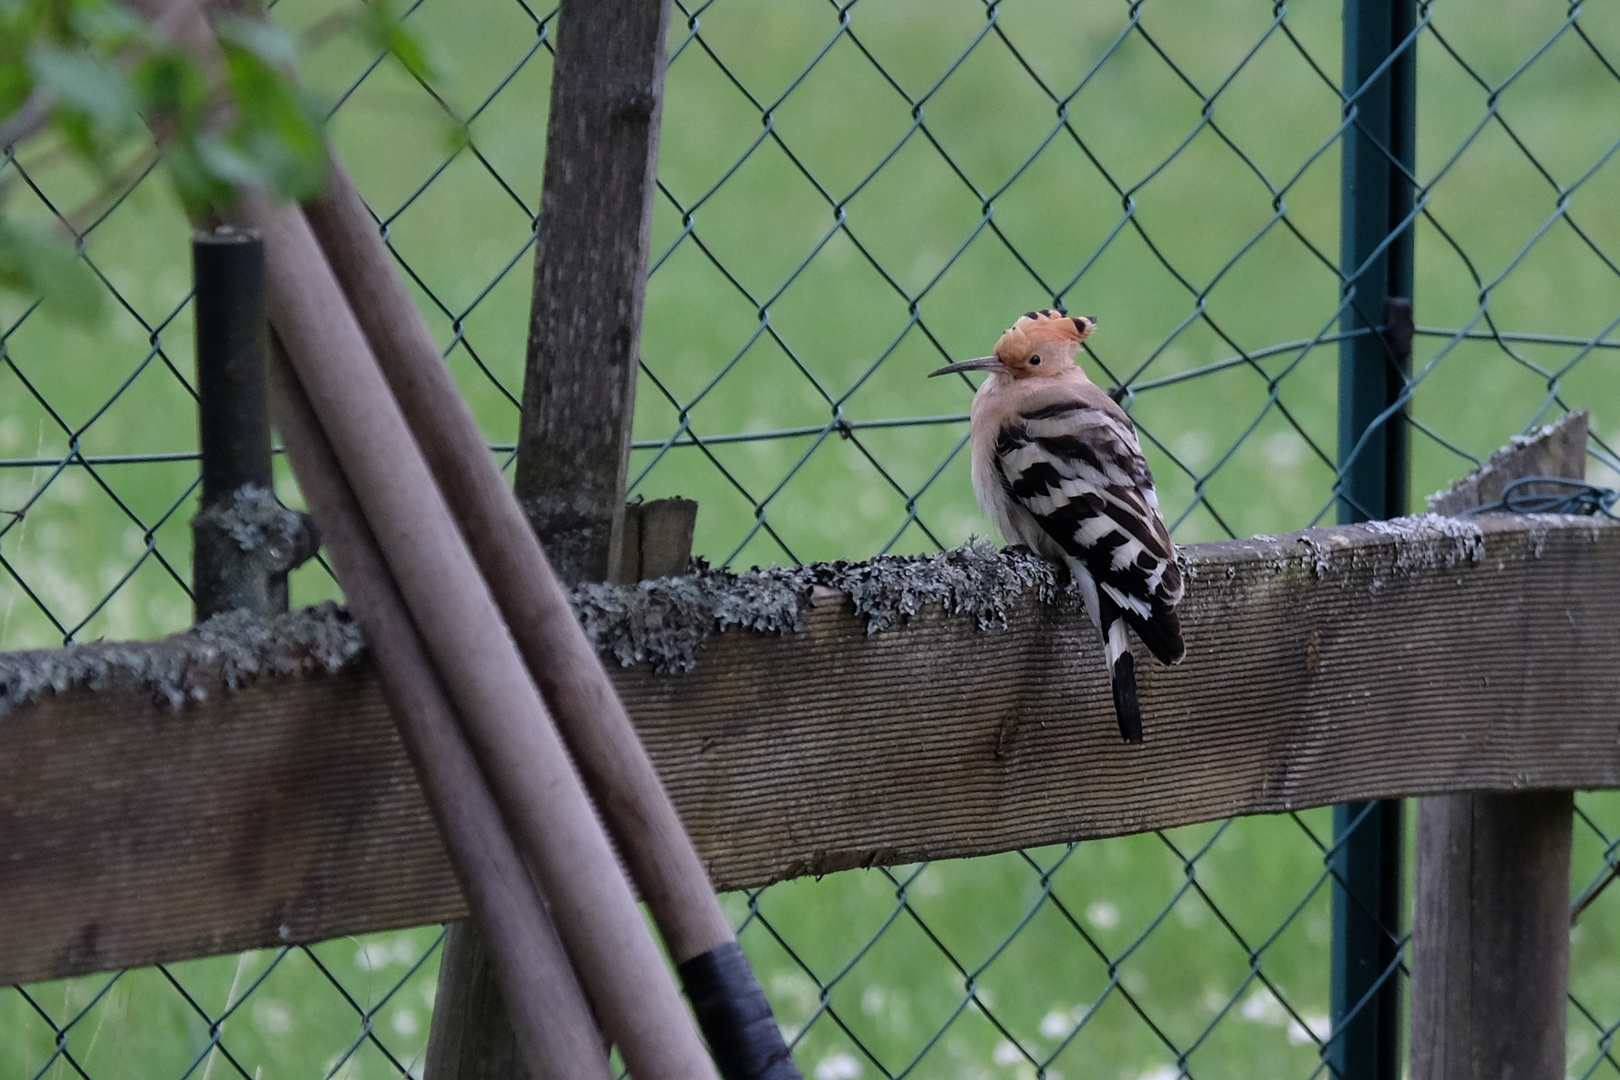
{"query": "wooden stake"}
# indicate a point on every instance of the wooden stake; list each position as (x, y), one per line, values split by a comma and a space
(1490, 933)
(590, 276)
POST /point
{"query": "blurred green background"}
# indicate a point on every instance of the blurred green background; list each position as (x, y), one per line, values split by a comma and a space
(850, 198)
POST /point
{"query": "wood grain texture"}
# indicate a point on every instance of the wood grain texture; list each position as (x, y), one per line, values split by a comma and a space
(1490, 933)
(657, 539)
(1357, 662)
(1490, 925)
(590, 279)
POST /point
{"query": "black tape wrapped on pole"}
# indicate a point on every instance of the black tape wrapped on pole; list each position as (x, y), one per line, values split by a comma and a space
(735, 1016)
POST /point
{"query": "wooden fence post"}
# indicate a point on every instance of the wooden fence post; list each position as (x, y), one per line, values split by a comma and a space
(590, 278)
(1490, 933)
(579, 390)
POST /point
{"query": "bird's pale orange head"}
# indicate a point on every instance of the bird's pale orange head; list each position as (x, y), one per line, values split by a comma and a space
(1041, 344)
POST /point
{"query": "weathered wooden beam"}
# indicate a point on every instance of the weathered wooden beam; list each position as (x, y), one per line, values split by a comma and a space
(1358, 662)
(1490, 924)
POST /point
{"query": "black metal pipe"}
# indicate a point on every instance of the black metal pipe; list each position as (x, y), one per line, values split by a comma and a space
(1376, 256)
(243, 541)
(232, 338)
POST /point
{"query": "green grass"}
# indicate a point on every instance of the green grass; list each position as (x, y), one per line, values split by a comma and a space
(852, 318)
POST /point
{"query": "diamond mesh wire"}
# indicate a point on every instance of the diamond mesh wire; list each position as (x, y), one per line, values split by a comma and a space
(851, 195)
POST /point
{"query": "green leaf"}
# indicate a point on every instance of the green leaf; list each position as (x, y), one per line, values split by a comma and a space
(81, 82)
(171, 85)
(260, 37)
(16, 83)
(385, 31)
(278, 125)
(37, 264)
(107, 27)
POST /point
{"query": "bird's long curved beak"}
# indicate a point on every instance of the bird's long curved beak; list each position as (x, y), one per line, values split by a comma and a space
(983, 363)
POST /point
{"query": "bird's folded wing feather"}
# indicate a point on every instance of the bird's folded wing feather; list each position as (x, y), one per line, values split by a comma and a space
(1077, 467)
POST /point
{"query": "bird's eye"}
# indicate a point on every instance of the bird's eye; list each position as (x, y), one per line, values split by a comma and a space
(1035, 361)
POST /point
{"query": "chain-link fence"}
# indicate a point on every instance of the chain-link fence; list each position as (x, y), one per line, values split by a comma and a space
(850, 196)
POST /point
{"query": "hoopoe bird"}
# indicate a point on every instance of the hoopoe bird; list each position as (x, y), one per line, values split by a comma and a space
(1057, 466)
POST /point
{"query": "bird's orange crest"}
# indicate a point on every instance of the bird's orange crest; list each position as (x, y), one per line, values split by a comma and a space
(1043, 343)
(1049, 325)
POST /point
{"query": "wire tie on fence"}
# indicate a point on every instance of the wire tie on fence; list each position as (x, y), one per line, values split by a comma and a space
(1578, 498)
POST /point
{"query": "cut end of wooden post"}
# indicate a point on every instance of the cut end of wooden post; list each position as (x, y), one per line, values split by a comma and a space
(657, 539)
(1558, 449)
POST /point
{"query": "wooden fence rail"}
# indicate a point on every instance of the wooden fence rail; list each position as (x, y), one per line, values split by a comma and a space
(1369, 661)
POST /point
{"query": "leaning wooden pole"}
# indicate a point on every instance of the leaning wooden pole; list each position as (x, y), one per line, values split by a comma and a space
(595, 222)
(1490, 922)
(508, 723)
(523, 758)
(549, 1018)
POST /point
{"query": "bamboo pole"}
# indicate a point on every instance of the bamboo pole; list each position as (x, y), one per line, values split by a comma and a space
(549, 1017)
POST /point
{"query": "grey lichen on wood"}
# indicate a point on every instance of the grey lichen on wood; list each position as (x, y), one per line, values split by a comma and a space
(666, 621)
(245, 547)
(228, 652)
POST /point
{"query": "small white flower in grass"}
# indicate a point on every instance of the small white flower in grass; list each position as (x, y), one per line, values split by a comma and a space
(1163, 1072)
(796, 989)
(1059, 1023)
(1262, 1007)
(928, 883)
(371, 956)
(873, 999)
(1006, 1053)
(838, 1067)
(1320, 1027)
(272, 1017)
(405, 1023)
(1102, 914)
(1284, 449)
(1193, 448)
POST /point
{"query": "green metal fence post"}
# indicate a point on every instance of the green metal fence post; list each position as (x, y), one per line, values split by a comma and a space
(1380, 69)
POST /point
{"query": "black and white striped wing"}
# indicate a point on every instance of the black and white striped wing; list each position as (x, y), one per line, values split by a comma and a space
(1078, 469)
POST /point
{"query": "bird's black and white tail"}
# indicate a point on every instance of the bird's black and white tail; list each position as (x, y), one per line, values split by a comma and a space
(1121, 671)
